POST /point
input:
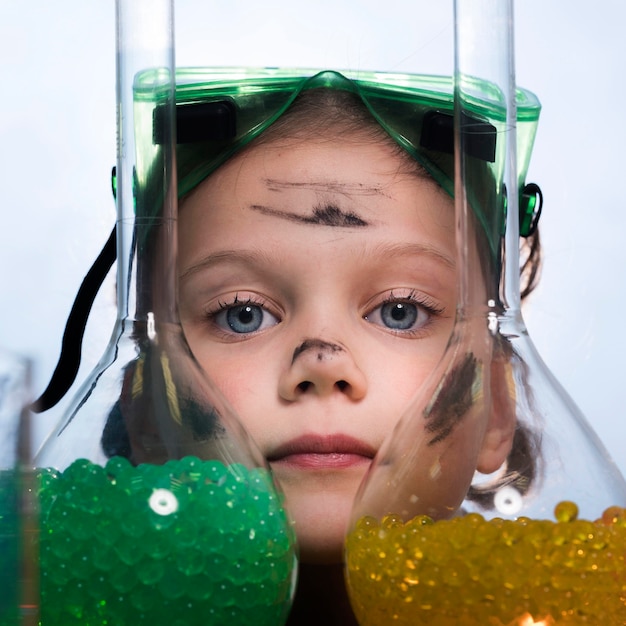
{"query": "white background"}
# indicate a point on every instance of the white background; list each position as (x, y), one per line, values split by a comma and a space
(57, 131)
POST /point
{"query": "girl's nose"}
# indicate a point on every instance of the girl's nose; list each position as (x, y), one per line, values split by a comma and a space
(322, 368)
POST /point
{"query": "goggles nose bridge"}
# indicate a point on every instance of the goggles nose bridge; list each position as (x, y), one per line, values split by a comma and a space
(330, 79)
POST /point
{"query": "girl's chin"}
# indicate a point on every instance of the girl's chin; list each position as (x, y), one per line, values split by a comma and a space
(318, 550)
(321, 521)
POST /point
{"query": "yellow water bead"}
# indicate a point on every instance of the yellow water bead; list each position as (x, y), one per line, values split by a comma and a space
(614, 516)
(566, 511)
(469, 571)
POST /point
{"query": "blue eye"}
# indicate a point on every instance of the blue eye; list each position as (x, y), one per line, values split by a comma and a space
(399, 315)
(244, 318)
(404, 314)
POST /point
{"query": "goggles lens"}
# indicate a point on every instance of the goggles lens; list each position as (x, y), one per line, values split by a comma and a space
(221, 110)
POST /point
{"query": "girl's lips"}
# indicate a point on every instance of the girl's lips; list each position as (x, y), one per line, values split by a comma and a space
(317, 461)
(314, 452)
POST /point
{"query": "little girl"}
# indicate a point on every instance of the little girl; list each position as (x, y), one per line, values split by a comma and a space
(318, 286)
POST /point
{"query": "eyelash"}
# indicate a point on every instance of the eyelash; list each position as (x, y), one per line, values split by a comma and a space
(221, 306)
(225, 305)
(423, 302)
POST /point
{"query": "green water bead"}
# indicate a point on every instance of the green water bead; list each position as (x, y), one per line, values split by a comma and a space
(157, 543)
(163, 545)
(191, 562)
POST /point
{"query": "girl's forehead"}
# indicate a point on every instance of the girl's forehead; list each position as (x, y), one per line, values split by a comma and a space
(340, 181)
(276, 194)
(354, 164)
(329, 208)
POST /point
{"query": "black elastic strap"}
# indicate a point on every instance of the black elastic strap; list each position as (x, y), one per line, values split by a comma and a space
(67, 366)
(197, 122)
(479, 136)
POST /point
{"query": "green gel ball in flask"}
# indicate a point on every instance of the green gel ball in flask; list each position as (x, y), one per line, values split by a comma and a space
(493, 501)
(156, 507)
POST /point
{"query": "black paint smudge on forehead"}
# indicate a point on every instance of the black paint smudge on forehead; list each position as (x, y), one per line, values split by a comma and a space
(323, 215)
(331, 215)
(342, 188)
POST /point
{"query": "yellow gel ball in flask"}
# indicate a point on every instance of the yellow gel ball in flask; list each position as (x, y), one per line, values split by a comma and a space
(493, 501)
(156, 507)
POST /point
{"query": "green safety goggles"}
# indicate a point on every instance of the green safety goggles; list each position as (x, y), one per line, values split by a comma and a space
(219, 111)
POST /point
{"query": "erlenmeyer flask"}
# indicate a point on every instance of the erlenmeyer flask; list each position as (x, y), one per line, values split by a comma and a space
(431, 540)
(18, 546)
(156, 507)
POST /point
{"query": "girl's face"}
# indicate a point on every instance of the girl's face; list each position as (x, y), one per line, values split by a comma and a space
(318, 290)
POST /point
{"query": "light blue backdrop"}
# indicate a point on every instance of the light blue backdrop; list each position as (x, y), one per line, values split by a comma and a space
(57, 130)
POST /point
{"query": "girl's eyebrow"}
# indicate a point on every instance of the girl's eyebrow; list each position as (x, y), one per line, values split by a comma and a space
(407, 249)
(223, 256)
(256, 257)
(322, 215)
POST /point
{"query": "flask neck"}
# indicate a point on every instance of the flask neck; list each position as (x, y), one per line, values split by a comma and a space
(146, 168)
(147, 274)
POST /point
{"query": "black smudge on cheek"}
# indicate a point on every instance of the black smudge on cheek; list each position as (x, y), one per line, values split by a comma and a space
(453, 399)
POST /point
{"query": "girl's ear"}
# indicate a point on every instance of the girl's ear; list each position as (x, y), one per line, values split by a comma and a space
(498, 439)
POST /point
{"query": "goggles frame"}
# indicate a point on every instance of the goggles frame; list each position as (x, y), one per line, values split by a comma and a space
(219, 111)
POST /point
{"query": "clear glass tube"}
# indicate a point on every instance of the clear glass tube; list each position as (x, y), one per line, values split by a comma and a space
(19, 601)
(563, 436)
(150, 449)
(493, 501)
(410, 469)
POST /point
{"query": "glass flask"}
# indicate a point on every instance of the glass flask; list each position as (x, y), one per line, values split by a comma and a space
(18, 593)
(156, 507)
(493, 501)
